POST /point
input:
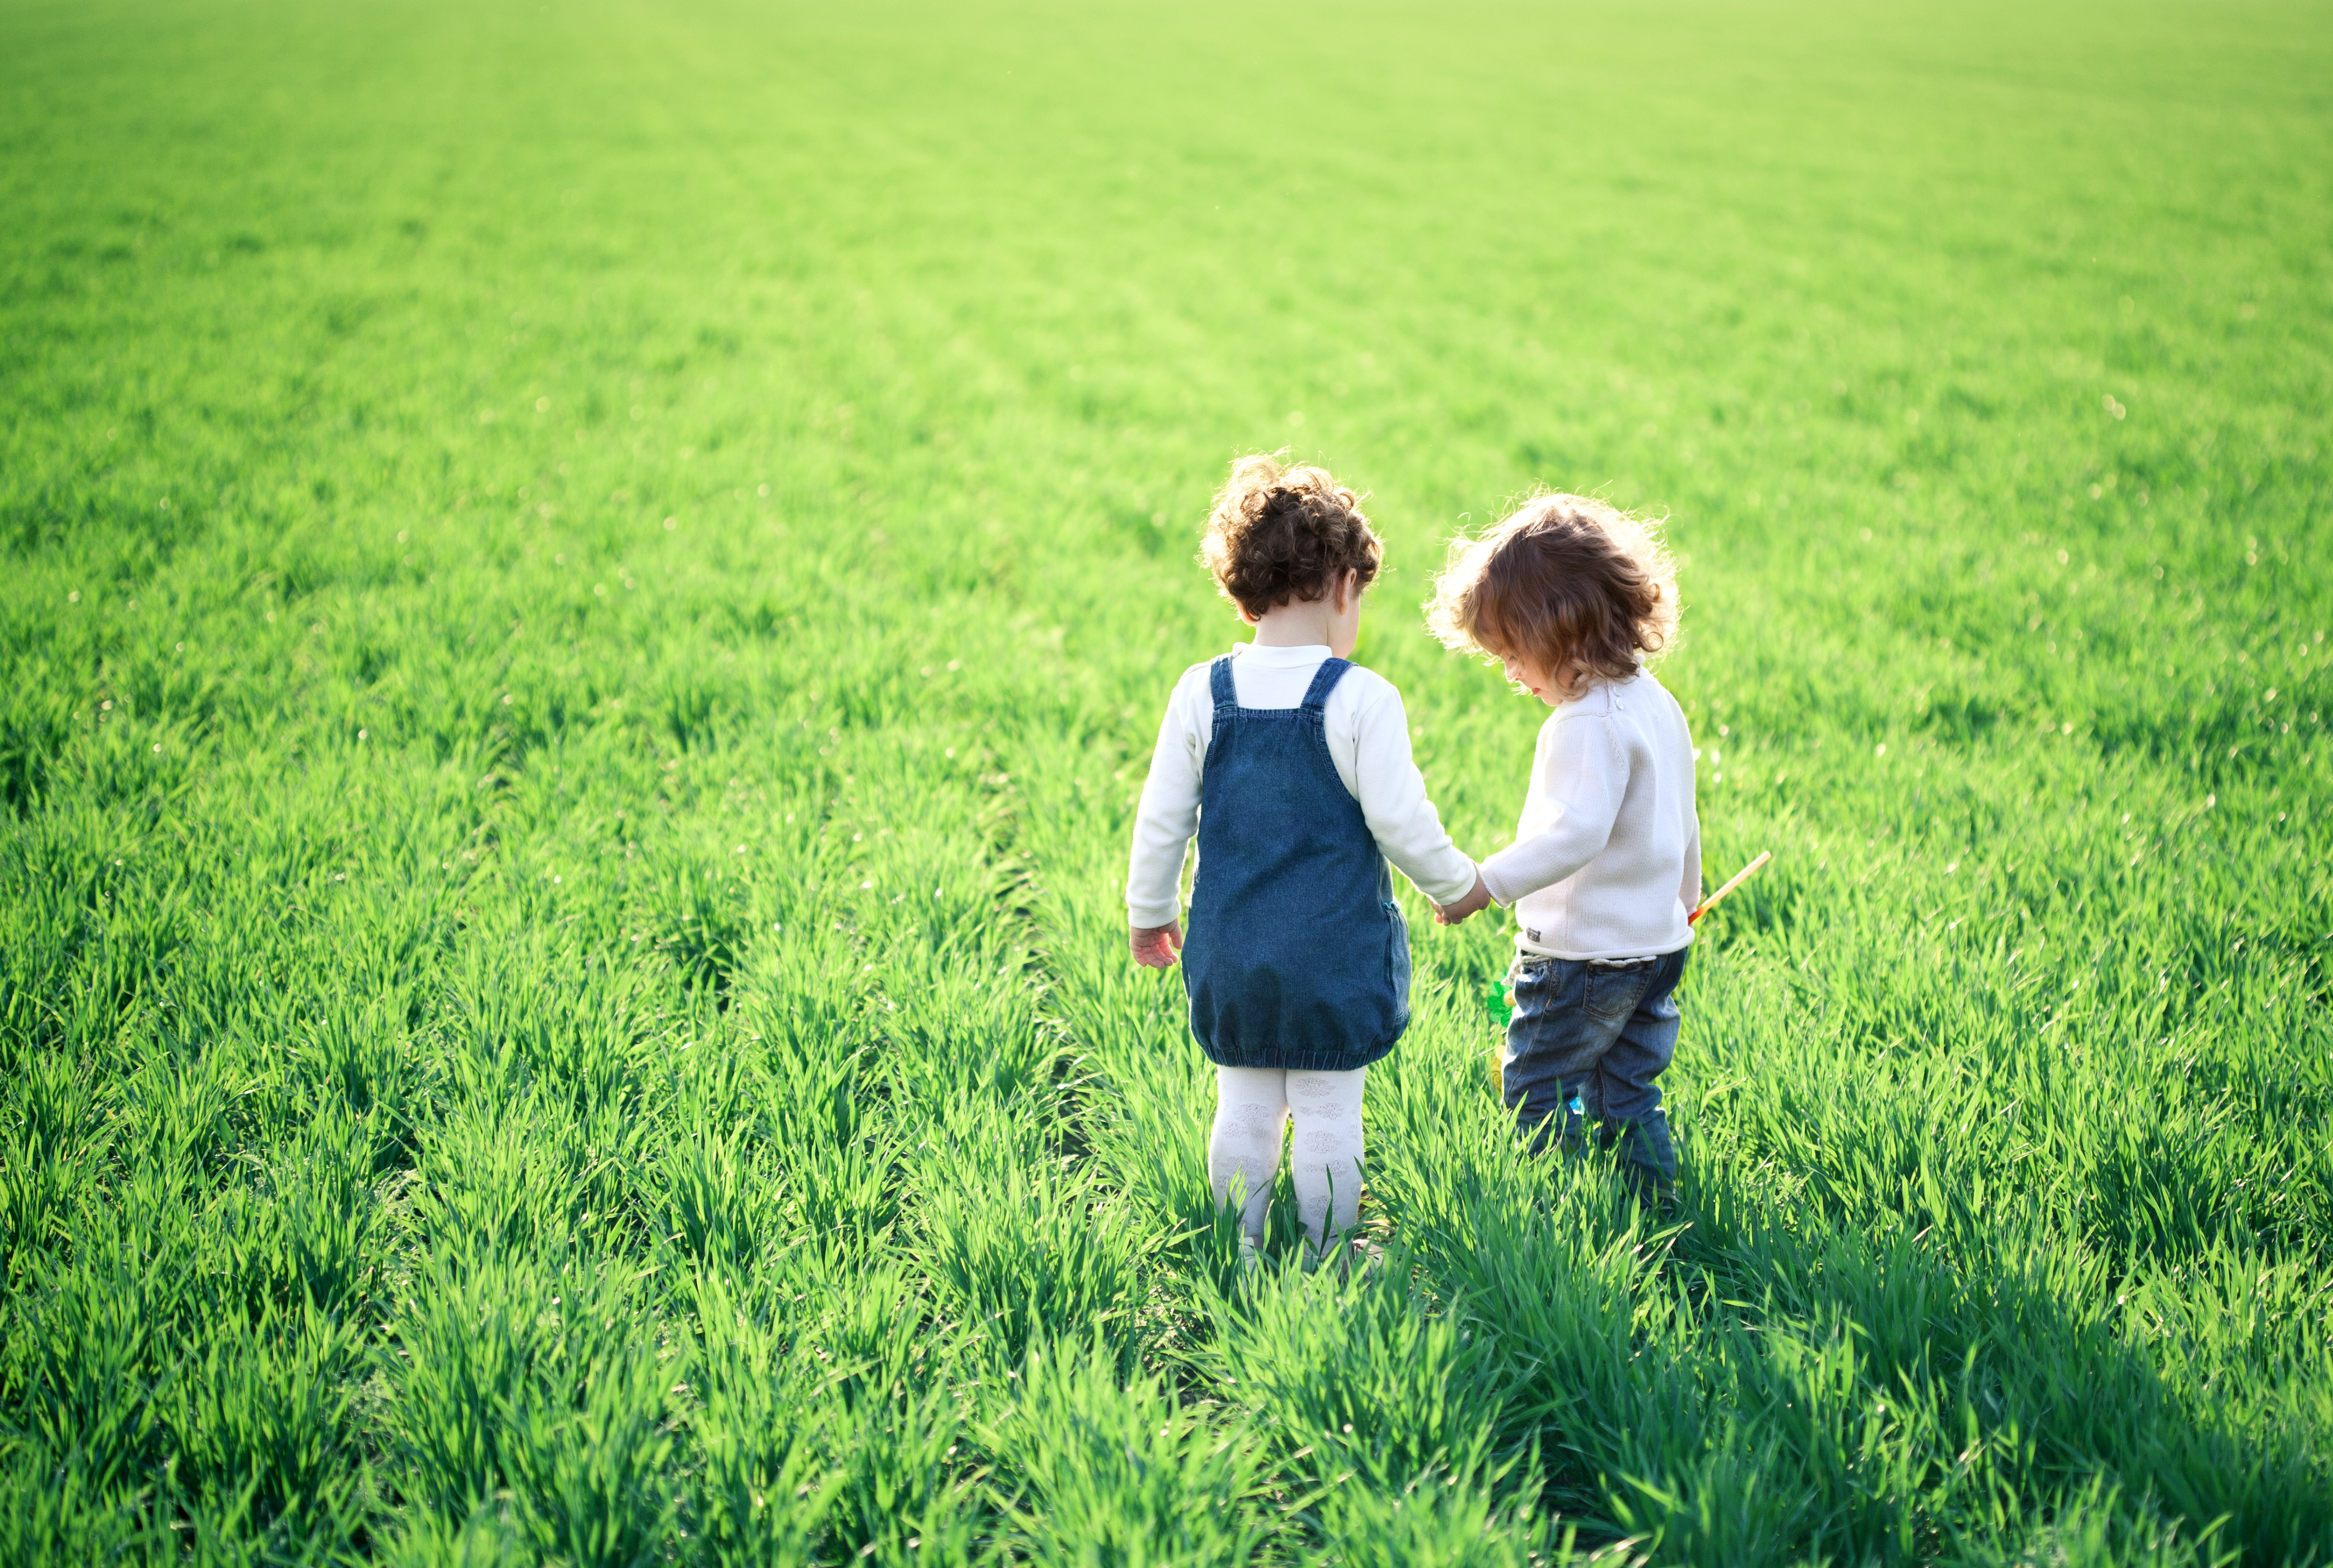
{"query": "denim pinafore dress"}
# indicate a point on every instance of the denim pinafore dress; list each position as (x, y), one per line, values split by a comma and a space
(1298, 957)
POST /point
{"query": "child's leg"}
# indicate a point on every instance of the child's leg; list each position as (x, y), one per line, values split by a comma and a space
(1243, 1151)
(1325, 1155)
(1626, 1094)
(1553, 1044)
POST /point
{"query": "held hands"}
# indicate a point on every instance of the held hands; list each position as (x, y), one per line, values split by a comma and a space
(1156, 947)
(1472, 903)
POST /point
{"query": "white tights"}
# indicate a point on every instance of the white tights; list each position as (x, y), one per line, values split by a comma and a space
(1252, 1105)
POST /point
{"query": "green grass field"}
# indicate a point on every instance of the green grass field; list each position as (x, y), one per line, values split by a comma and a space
(587, 591)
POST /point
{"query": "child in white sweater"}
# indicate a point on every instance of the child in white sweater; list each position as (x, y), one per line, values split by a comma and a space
(1293, 768)
(1573, 596)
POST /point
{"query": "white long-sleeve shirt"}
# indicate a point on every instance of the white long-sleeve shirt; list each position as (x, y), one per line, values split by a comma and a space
(1369, 741)
(1606, 859)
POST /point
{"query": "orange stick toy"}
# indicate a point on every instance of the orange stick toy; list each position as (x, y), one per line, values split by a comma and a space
(1740, 877)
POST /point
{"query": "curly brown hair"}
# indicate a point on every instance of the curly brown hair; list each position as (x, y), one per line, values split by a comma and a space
(1279, 535)
(1566, 580)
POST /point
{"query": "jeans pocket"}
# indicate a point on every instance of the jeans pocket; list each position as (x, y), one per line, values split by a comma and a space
(1613, 990)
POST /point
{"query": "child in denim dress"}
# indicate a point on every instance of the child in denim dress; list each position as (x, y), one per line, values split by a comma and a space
(1293, 767)
(1573, 596)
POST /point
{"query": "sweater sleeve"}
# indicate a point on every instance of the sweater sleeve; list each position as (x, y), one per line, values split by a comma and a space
(1587, 773)
(1164, 821)
(1392, 793)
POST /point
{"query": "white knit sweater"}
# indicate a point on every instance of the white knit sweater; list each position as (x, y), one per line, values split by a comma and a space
(1606, 859)
(1369, 741)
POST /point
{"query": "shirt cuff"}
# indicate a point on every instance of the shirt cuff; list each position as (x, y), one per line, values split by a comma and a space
(1150, 917)
(1501, 893)
(1459, 884)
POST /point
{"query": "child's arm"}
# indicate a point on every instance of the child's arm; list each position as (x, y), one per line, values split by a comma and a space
(1587, 774)
(1392, 793)
(1163, 825)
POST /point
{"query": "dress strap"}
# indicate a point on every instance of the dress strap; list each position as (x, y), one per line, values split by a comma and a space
(1324, 681)
(1219, 682)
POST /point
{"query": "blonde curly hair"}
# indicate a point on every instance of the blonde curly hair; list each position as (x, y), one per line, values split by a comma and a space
(1566, 580)
(1279, 534)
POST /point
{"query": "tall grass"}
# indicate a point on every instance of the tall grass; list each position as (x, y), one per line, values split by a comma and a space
(587, 595)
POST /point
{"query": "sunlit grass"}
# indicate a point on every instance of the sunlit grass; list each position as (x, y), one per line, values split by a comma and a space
(588, 593)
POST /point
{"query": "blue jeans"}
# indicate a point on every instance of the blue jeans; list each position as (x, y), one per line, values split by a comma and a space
(1586, 1043)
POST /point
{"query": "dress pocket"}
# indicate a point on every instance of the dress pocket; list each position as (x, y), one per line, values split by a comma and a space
(1398, 957)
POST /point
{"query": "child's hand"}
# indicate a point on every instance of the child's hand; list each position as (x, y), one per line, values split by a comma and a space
(1155, 947)
(1474, 902)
